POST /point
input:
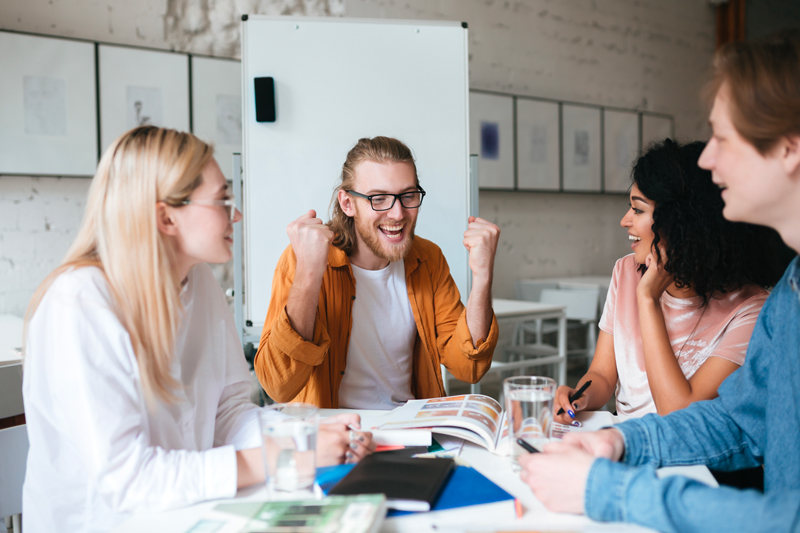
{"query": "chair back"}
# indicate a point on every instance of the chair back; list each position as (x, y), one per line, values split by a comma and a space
(581, 304)
(13, 459)
(530, 290)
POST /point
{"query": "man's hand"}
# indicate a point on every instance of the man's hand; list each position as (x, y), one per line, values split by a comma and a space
(607, 443)
(558, 476)
(338, 444)
(310, 240)
(480, 240)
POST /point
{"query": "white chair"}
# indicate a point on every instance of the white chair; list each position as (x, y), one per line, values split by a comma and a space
(582, 309)
(13, 459)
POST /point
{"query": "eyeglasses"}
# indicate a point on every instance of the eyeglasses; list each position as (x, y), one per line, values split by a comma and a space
(384, 202)
(229, 204)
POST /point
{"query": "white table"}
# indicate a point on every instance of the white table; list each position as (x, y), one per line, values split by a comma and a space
(579, 282)
(10, 366)
(515, 313)
(487, 517)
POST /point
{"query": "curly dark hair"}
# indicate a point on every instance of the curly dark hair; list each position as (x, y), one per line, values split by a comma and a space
(704, 251)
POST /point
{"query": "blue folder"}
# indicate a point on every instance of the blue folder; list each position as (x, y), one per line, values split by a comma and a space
(465, 487)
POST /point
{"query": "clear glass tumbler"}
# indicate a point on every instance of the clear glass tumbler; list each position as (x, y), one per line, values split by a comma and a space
(529, 410)
(289, 434)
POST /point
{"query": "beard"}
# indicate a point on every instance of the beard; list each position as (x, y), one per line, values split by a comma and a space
(390, 252)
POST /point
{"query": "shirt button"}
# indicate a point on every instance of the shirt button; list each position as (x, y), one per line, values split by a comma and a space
(353, 297)
(343, 372)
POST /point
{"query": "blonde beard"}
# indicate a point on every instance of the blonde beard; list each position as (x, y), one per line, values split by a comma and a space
(396, 252)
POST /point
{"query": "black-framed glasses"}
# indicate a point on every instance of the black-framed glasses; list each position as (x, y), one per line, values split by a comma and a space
(384, 202)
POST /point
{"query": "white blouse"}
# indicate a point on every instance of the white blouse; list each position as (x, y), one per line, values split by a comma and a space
(96, 453)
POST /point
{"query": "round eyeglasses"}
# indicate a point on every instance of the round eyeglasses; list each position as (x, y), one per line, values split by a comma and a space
(229, 203)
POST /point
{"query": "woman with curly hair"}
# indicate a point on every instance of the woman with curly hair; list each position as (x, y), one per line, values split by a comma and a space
(680, 308)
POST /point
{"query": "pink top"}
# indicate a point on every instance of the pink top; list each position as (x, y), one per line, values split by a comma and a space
(722, 330)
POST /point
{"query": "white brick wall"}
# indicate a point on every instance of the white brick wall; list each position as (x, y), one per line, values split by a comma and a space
(38, 221)
(643, 54)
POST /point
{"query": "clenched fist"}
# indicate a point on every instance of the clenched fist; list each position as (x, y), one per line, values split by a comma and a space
(480, 240)
(310, 240)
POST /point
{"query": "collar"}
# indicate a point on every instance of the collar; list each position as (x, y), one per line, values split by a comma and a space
(338, 259)
(793, 275)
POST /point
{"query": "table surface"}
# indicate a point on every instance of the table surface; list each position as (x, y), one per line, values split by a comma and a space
(498, 516)
(603, 281)
(10, 337)
(513, 308)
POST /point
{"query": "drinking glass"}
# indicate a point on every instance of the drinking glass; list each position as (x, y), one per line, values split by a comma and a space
(289, 432)
(529, 411)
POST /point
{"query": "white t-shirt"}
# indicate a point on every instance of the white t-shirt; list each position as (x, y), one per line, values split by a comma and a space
(96, 453)
(381, 348)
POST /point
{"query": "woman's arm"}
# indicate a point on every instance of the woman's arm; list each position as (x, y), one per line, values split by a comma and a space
(669, 387)
(602, 372)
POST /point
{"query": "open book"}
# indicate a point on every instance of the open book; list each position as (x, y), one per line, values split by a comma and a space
(476, 418)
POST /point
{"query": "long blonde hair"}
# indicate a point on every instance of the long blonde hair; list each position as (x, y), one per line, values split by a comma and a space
(378, 150)
(119, 235)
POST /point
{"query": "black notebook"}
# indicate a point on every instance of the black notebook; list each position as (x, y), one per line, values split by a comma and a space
(409, 484)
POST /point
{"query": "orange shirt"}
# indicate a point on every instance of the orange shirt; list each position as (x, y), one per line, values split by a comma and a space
(292, 369)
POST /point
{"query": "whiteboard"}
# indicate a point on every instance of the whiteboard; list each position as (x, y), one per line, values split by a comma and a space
(337, 80)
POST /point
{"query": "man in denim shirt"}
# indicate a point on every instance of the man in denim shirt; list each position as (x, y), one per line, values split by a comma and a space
(754, 156)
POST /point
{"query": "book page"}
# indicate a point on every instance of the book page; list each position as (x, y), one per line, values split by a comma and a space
(590, 421)
(476, 412)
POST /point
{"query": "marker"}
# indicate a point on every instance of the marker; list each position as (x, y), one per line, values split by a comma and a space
(518, 508)
(578, 394)
(528, 448)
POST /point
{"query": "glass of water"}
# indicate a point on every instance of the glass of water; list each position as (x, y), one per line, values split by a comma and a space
(529, 411)
(289, 432)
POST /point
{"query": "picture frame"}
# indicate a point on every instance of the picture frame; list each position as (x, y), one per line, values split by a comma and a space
(491, 134)
(48, 113)
(538, 149)
(217, 107)
(656, 128)
(621, 138)
(139, 86)
(581, 154)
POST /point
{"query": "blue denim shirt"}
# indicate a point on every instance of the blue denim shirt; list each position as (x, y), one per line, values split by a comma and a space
(754, 421)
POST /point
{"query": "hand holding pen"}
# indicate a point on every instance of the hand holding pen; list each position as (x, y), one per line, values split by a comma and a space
(572, 403)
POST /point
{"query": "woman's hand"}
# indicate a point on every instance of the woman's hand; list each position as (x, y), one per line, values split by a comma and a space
(337, 443)
(570, 409)
(656, 279)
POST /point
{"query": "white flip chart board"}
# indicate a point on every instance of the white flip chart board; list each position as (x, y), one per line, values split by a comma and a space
(337, 80)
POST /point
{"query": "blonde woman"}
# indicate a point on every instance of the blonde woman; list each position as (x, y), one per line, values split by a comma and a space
(136, 389)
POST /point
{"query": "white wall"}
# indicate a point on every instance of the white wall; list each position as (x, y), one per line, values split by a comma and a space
(639, 54)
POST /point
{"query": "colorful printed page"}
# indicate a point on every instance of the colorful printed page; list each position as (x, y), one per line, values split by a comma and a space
(473, 417)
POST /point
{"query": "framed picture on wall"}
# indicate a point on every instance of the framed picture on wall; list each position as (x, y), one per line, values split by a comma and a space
(491, 136)
(217, 107)
(656, 128)
(48, 114)
(139, 87)
(621, 148)
(581, 142)
(538, 137)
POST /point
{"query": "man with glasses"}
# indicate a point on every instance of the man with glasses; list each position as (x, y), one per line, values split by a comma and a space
(363, 313)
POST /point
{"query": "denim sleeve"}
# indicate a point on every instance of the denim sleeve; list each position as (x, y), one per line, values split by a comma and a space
(703, 433)
(624, 493)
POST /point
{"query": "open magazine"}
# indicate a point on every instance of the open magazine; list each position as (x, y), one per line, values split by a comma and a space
(476, 418)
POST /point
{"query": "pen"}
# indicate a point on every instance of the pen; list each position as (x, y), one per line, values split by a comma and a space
(528, 448)
(578, 394)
